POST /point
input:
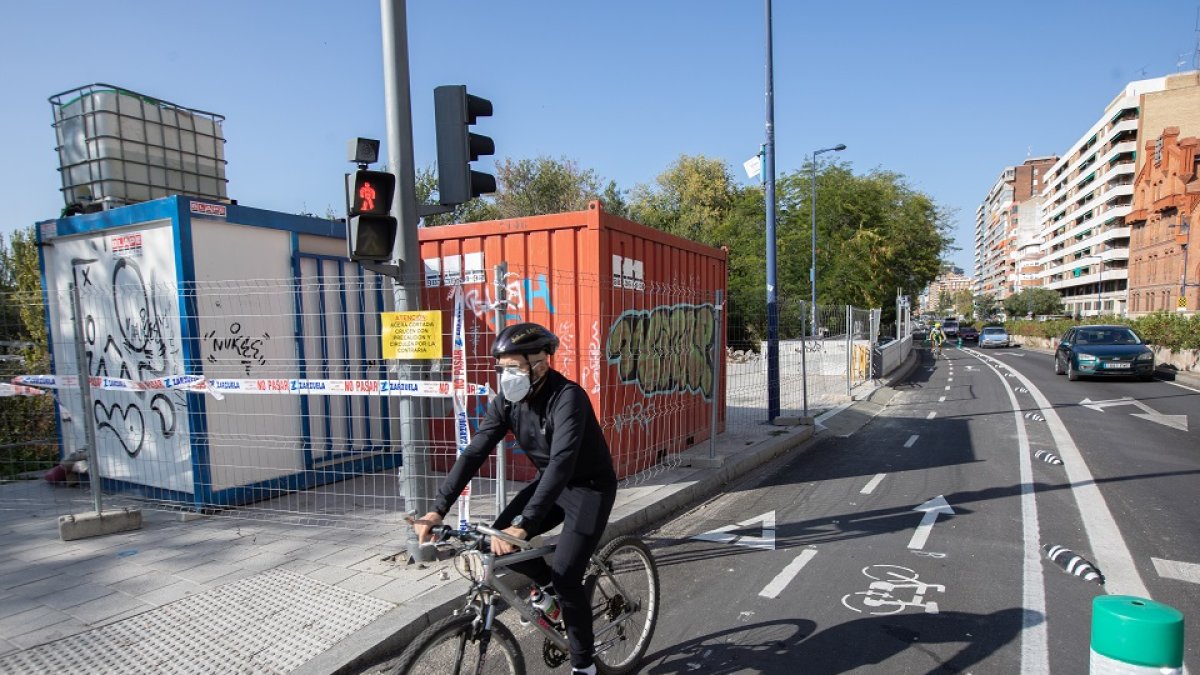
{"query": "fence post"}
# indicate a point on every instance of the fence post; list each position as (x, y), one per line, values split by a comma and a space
(85, 395)
(804, 357)
(849, 349)
(501, 313)
(716, 397)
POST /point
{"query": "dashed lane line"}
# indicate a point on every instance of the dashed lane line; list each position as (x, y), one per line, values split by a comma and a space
(781, 580)
(872, 484)
(911, 439)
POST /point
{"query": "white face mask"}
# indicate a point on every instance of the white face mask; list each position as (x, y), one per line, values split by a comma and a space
(515, 385)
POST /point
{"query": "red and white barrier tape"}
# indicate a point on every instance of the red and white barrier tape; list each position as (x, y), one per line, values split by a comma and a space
(219, 387)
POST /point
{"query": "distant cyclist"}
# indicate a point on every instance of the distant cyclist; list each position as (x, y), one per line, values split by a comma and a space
(937, 336)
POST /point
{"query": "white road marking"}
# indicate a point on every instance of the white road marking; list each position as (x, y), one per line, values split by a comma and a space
(911, 439)
(872, 484)
(949, 379)
(766, 541)
(1182, 386)
(932, 508)
(1035, 656)
(931, 415)
(941, 399)
(781, 580)
(1179, 422)
(947, 388)
(1108, 546)
(1174, 569)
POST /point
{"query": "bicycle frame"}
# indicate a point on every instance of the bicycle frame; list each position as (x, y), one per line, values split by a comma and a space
(481, 598)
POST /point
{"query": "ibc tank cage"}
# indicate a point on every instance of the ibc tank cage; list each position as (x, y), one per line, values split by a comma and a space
(116, 146)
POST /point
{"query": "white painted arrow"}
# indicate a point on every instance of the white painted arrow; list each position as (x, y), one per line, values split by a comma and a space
(722, 534)
(1174, 421)
(932, 508)
(970, 369)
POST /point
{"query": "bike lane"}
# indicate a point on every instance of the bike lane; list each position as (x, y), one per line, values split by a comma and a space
(901, 547)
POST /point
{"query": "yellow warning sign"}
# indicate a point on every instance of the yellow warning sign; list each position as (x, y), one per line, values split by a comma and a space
(412, 335)
(1181, 304)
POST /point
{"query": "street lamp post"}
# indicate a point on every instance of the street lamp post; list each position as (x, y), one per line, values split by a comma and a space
(812, 270)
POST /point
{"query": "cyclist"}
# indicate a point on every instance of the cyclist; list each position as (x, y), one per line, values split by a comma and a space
(938, 337)
(576, 485)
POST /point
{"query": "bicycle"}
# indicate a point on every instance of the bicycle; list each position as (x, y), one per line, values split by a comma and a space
(621, 581)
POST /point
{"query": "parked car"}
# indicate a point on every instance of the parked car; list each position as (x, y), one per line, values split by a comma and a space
(1103, 351)
(993, 336)
(968, 333)
(950, 328)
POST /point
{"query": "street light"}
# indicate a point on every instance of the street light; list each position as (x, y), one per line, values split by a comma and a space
(812, 270)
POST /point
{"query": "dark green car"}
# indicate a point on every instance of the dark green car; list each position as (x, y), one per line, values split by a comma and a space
(1103, 351)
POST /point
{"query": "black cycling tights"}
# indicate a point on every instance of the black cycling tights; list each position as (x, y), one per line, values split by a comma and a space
(570, 562)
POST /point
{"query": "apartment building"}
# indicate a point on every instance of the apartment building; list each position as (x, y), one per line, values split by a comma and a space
(1089, 191)
(1007, 231)
(950, 281)
(1166, 203)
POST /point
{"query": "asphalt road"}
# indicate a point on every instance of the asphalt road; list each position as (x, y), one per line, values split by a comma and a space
(914, 544)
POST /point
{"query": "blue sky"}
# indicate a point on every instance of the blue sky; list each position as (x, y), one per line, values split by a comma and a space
(946, 93)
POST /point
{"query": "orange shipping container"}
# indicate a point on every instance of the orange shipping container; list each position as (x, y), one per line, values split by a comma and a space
(638, 312)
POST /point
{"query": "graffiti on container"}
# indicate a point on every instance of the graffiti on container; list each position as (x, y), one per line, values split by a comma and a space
(592, 369)
(129, 331)
(666, 349)
(522, 294)
(640, 413)
(566, 347)
(246, 349)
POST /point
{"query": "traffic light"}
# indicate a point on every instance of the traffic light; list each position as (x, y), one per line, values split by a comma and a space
(372, 228)
(456, 111)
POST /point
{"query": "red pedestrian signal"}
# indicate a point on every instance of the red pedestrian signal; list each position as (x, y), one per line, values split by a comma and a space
(372, 194)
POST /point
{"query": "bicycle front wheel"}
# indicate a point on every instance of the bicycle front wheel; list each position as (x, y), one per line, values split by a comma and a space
(453, 646)
(624, 597)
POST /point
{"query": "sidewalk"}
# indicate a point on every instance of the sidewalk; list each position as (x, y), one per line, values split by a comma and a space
(229, 595)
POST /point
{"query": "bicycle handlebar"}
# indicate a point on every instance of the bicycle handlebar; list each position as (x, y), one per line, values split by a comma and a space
(472, 532)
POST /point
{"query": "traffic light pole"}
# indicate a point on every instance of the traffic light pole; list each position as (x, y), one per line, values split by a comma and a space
(406, 286)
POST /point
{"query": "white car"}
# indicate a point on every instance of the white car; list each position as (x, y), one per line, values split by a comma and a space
(993, 336)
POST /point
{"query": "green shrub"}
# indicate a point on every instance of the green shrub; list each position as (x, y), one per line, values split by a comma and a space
(1168, 330)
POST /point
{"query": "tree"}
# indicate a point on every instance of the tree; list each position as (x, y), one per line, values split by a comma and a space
(1033, 301)
(964, 304)
(692, 198)
(986, 306)
(26, 422)
(531, 187)
(875, 234)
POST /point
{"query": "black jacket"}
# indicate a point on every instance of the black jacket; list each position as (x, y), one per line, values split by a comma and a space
(559, 433)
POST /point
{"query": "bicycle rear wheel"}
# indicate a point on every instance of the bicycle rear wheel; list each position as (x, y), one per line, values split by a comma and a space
(452, 646)
(624, 604)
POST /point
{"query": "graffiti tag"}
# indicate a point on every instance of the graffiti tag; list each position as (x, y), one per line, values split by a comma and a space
(666, 349)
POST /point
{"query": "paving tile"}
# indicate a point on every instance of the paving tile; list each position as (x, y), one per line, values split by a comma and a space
(236, 575)
(176, 564)
(76, 595)
(48, 586)
(346, 557)
(301, 566)
(30, 620)
(118, 570)
(15, 604)
(144, 583)
(168, 594)
(207, 571)
(25, 575)
(109, 607)
(363, 582)
(397, 591)
(50, 633)
(331, 574)
(7, 647)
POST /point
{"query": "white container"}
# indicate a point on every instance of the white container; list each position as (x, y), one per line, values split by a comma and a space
(124, 147)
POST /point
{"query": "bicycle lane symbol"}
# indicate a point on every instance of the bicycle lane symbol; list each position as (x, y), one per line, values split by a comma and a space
(893, 589)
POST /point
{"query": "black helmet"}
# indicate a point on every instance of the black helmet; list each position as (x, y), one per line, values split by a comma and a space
(524, 338)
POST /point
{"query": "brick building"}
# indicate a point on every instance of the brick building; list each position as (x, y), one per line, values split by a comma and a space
(1166, 201)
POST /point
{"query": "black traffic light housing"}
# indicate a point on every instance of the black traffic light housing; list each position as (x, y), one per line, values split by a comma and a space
(371, 234)
(455, 111)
